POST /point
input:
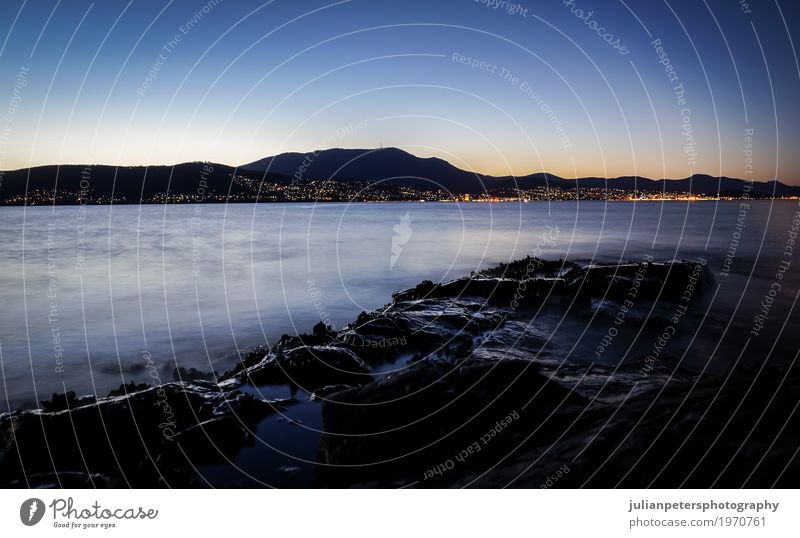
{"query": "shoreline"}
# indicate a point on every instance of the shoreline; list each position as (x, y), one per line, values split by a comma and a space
(228, 202)
(458, 360)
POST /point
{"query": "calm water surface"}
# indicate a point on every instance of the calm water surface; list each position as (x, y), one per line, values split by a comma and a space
(86, 295)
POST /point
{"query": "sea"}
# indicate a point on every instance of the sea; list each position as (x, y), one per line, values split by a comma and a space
(92, 296)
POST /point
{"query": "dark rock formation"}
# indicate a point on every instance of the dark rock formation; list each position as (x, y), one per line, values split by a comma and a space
(485, 384)
(413, 419)
(127, 388)
(192, 374)
(145, 438)
(309, 367)
(61, 402)
(740, 433)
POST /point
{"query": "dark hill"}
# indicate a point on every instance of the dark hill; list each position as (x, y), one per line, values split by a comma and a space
(391, 165)
(400, 167)
(386, 164)
(131, 183)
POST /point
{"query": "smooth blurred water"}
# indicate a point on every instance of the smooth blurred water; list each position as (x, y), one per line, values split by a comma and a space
(190, 285)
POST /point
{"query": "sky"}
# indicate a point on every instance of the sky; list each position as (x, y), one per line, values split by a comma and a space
(656, 88)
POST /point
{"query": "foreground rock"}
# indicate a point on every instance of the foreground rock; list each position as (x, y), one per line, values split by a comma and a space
(147, 438)
(483, 381)
(709, 434)
(645, 421)
(309, 367)
(498, 424)
(414, 418)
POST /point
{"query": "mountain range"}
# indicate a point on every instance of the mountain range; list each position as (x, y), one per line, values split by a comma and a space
(398, 166)
(388, 166)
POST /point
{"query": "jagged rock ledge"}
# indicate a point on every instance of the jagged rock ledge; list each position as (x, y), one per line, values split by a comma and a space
(453, 384)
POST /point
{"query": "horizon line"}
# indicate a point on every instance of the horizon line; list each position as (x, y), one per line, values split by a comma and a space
(382, 148)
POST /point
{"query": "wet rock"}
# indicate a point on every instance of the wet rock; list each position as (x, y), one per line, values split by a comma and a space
(125, 389)
(252, 358)
(479, 355)
(327, 390)
(426, 326)
(310, 367)
(192, 374)
(129, 437)
(65, 480)
(669, 280)
(496, 290)
(406, 422)
(416, 358)
(216, 440)
(321, 335)
(290, 471)
(696, 434)
(421, 291)
(528, 268)
(60, 402)
(531, 280)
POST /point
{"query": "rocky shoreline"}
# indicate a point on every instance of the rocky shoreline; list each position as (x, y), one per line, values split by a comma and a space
(483, 381)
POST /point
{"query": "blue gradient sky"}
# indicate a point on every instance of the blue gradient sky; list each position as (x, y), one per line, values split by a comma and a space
(252, 79)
